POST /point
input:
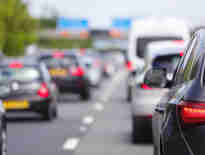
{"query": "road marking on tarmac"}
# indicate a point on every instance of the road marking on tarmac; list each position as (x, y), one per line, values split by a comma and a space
(71, 144)
(88, 120)
(111, 88)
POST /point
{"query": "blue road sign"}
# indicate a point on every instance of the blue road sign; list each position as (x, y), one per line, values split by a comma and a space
(72, 23)
(121, 23)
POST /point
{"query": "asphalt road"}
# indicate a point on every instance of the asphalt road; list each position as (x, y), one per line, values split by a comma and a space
(100, 126)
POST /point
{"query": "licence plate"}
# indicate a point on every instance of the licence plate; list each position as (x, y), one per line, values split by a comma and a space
(15, 105)
(58, 72)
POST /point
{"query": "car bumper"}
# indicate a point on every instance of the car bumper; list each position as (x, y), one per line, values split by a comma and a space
(39, 105)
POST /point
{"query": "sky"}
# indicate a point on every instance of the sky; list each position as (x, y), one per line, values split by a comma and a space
(100, 12)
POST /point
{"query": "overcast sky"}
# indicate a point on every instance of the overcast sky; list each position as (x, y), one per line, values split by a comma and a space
(101, 11)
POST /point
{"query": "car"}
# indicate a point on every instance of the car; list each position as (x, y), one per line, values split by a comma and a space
(92, 70)
(178, 122)
(26, 86)
(147, 31)
(67, 72)
(145, 98)
(3, 130)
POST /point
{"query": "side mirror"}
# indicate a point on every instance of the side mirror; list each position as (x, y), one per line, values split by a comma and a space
(156, 78)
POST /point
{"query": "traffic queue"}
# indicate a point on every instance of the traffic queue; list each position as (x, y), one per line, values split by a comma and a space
(35, 83)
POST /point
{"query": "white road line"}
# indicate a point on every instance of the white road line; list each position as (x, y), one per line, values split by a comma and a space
(88, 120)
(98, 107)
(71, 144)
(110, 89)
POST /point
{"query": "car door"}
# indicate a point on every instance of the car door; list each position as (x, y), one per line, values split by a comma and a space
(163, 109)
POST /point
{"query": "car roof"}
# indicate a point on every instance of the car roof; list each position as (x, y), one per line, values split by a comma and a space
(160, 26)
(65, 52)
(163, 49)
(25, 60)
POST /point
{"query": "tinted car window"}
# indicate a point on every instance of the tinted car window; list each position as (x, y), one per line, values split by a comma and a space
(144, 41)
(25, 74)
(166, 61)
(59, 62)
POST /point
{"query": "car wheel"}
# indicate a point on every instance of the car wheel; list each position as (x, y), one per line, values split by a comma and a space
(85, 94)
(129, 95)
(3, 142)
(140, 133)
(49, 114)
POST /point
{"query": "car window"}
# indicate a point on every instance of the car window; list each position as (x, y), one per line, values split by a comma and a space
(25, 74)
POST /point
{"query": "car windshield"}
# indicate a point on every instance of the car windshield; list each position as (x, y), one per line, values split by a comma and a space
(167, 61)
(25, 74)
(144, 41)
(59, 62)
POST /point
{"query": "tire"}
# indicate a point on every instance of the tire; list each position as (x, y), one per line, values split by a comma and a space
(140, 133)
(129, 94)
(50, 113)
(85, 94)
(3, 148)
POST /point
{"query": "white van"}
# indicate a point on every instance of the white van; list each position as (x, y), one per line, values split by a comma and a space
(151, 30)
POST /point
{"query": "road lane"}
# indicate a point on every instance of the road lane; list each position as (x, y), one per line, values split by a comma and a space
(111, 133)
(29, 135)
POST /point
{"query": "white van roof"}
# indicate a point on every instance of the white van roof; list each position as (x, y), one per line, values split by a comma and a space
(160, 27)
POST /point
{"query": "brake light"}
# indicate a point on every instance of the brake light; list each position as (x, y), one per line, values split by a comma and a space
(16, 65)
(129, 65)
(43, 91)
(146, 87)
(77, 71)
(181, 53)
(192, 112)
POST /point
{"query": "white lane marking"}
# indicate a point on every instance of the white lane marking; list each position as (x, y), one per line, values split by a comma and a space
(71, 144)
(83, 129)
(111, 88)
(98, 107)
(88, 120)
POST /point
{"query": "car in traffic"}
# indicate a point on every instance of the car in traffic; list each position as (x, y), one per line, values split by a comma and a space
(147, 31)
(178, 122)
(26, 86)
(93, 70)
(145, 98)
(67, 72)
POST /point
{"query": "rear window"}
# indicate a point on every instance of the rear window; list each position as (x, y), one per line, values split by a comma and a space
(25, 74)
(167, 61)
(144, 41)
(59, 62)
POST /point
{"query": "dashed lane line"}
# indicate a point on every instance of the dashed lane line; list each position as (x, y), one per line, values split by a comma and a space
(88, 120)
(71, 144)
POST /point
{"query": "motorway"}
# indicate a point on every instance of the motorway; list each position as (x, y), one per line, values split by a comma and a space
(97, 127)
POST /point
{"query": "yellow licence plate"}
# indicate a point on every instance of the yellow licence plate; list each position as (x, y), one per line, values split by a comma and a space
(15, 105)
(58, 72)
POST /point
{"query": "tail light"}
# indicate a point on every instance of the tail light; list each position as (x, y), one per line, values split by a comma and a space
(146, 87)
(129, 65)
(77, 71)
(192, 112)
(43, 91)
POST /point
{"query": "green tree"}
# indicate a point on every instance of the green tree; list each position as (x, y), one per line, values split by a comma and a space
(17, 27)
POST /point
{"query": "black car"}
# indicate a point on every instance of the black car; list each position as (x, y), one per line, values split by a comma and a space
(179, 119)
(26, 86)
(66, 71)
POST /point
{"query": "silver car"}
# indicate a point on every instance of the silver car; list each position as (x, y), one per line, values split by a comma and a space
(145, 98)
